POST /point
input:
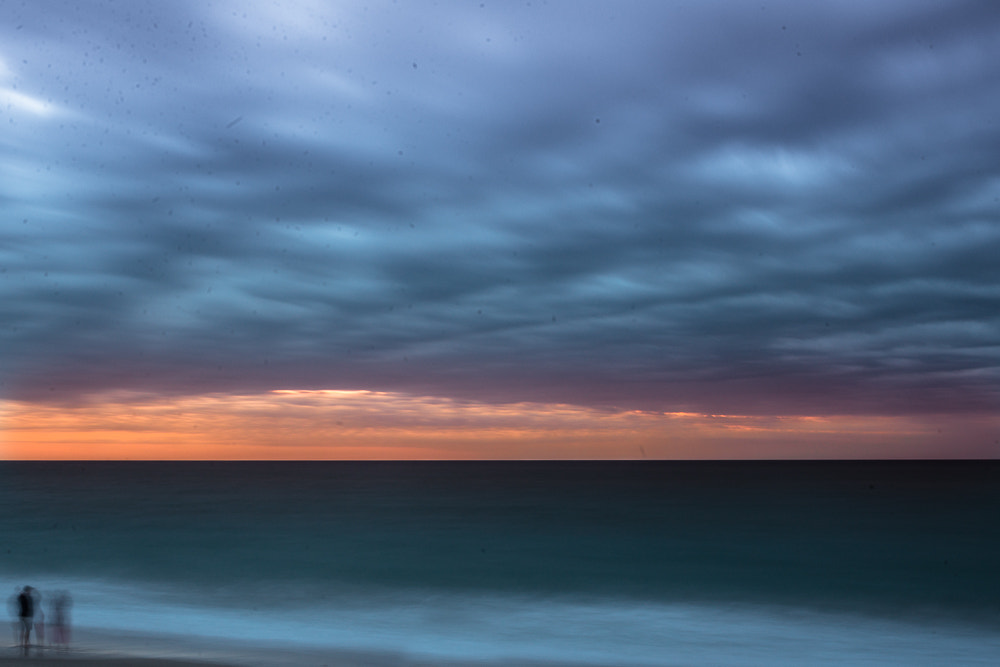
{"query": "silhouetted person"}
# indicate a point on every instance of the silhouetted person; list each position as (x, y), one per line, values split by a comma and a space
(39, 618)
(60, 619)
(26, 614)
(15, 622)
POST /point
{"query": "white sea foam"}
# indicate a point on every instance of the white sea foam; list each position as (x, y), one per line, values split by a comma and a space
(498, 628)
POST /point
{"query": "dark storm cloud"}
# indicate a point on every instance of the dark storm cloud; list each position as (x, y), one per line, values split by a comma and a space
(719, 207)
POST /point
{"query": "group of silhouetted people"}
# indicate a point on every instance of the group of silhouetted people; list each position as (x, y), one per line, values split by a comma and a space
(26, 604)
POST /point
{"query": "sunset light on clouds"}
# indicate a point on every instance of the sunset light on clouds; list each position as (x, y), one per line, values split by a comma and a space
(497, 230)
(379, 426)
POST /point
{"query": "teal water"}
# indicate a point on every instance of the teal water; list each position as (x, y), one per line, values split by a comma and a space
(585, 562)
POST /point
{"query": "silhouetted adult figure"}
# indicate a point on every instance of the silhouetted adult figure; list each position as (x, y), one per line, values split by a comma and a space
(60, 619)
(15, 622)
(39, 618)
(26, 614)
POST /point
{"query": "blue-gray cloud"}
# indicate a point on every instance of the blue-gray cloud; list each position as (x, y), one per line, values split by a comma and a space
(723, 207)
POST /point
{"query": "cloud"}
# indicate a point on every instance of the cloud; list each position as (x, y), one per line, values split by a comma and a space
(335, 424)
(717, 209)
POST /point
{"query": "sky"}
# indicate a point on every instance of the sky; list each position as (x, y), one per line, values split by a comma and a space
(580, 229)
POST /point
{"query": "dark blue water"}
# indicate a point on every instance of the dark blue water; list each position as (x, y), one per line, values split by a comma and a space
(599, 562)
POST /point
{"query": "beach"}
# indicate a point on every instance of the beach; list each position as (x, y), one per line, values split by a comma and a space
(84, 661)
(97, 647)
(95, 662)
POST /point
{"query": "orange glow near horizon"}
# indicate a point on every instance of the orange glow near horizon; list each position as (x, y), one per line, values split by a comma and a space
(365, 425)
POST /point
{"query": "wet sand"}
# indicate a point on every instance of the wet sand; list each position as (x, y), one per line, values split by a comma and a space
(269, 658)
(264, 659)
(92, 647)
(63, 661)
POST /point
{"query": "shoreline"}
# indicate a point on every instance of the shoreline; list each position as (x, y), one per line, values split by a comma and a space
(93, 647)
(91, 661)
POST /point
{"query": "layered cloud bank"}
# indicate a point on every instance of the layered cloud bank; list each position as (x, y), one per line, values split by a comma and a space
(723, 208)
(323, 425)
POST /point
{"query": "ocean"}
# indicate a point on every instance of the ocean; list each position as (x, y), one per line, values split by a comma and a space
(565, 563)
